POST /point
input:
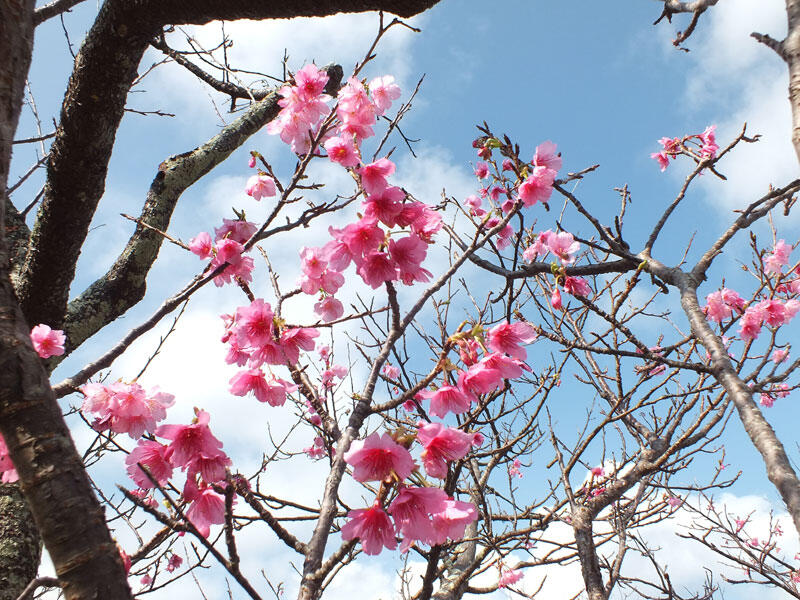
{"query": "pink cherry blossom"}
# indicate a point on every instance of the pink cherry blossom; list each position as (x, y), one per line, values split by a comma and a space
(779, 355)
(376, 457)
(260, 186)
(372, 526)
(385, 206)
(509, 577)
(671, 145)
(383, 91)
(674, 501)
(468, 351)
(390, 371)
(447, 399)
(481, 170)
(207, 507)
(423, 220)
(662, 158)
(442, 445)
(341, 150)
(126, 408)
(190, 442)
(47, 342)
(310, 81)
(564, 246)
(356, 110)
(253, 324)
(480, 378)
(722, 304)
(538, 187)
(230, 251)
(361, 237)
(774, 263)
(251, 162)
(174, 562)
(766, 400)
(453, 520)
(474, 204)
(504, 237)
(509, 338)
(546, 155)
(540, 246)
(709, 147)
(412, 511)
(377, 268)
(312, 262)
(201, 245)
(373, 175)
(508, 367)
(408, 253)
(750, 323)
(153, 456)
(8, 474)
(329, 308)
(236, 229)
(272, 391)
(774, 312)
(295, 339)
(577, 286)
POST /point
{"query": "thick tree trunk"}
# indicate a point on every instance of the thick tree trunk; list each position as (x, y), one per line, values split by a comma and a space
(19, 542)
(20, 546)
(791, 54)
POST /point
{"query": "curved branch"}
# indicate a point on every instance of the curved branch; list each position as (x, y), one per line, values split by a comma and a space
(226, 87)
(53, 9)
(125, 282)
(105, 69)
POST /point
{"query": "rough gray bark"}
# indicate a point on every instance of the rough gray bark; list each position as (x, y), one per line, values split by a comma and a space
(20, 546)
(791, 54)
(19, 543)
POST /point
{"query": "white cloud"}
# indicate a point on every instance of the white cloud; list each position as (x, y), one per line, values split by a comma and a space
(741, 80)
(260, 45)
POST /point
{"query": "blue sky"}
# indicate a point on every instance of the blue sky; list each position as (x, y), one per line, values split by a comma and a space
(600, 81)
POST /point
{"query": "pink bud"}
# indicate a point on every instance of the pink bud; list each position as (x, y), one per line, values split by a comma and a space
(555, 299)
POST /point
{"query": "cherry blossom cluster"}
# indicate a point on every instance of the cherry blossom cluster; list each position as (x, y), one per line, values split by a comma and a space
(771, 311)
(125, 407)
(255, 339)
(533, 182)
(129, 408)
(422, 514)
(191, 448)
(531, 187)
(561, 245)
(509, 577)
(227, 247)
(705, 144)
(389, 241)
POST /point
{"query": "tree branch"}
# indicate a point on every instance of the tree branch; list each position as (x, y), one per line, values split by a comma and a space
(53, 9)
(124, 284)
